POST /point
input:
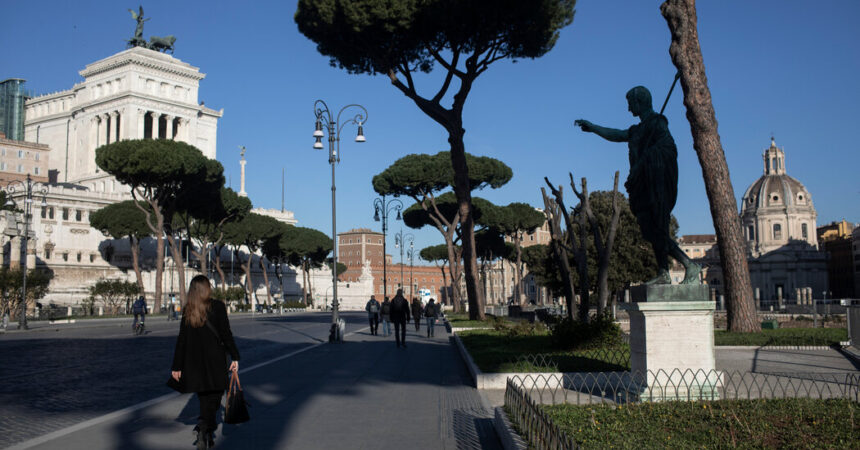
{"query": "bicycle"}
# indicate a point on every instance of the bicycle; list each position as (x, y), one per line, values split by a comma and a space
(138, 329)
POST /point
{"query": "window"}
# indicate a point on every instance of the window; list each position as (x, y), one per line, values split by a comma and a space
(4, 152)
(804, 232)
(20, 168)
(2, 165)
(36, 170)
(78, 214)
(777, 231)
(751, 232)
(65, 213)
(92, 258)
(50, 212)
(65, 256)
(47, 253)
(79, 257)
(37, 156)
(380, 241)
(44, 212)
(20, 153)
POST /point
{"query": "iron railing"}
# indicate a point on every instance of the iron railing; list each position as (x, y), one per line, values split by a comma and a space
(524, 395)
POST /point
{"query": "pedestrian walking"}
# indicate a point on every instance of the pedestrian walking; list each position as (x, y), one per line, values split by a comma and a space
(372, 308)
(416, 312)
(400, 317)
(199, 362)
(431, 313)
(385, 315)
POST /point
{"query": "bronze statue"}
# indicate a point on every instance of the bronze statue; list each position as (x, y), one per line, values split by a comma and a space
(137, 40)
(653, 181)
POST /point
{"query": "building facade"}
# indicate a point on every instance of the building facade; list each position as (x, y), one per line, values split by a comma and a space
(20, 158)
(779, 225)
(12, 98)
(836, 240)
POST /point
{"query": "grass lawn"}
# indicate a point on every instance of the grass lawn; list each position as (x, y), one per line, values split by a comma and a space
(782, 423)
(783, 336)
(462, 321)
(494, 351)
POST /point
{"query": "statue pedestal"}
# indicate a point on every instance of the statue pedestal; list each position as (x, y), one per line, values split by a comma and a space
(672, 342)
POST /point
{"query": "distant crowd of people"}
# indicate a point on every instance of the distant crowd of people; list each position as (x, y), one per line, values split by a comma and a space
(400, 312)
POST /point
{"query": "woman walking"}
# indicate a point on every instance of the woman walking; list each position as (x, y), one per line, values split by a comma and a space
(199, 361)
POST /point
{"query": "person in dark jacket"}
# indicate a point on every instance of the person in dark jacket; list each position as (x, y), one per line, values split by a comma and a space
(416, 312)
(372, 308)
(400, 317)
(431, 312)
(199, 360)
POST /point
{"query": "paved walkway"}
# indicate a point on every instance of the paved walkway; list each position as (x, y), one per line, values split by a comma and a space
(362, 394)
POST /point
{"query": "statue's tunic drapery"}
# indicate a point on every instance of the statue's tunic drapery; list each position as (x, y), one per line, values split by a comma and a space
(653, 181)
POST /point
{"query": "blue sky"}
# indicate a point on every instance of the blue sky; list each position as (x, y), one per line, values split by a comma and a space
(782, 67)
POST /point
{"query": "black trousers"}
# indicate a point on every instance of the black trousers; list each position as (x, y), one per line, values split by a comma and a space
(400, 331)
(417, 321)
(210, 401)
(374, 323)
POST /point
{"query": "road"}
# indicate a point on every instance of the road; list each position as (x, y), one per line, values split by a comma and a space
(52, 377)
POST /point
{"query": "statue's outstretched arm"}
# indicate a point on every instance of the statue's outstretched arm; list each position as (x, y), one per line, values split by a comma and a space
(610, 134)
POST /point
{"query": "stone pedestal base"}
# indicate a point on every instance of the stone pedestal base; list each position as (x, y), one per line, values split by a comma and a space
(672, 342)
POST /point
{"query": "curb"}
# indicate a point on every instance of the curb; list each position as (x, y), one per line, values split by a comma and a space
(510, 439)
(774, 347)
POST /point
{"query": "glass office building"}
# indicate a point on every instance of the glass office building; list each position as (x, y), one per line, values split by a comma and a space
(12, 98)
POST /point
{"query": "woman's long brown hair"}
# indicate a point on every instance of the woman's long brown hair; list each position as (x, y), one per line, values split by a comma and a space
(199, 293)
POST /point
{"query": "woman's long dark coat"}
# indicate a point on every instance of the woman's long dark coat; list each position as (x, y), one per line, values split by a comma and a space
(198, 355)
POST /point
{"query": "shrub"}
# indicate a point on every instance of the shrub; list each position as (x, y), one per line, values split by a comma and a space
(294, 304)
(599, 332)
(517, 328)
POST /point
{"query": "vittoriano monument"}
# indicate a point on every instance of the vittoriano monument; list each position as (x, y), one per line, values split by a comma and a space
(652, 185)
(155, 42)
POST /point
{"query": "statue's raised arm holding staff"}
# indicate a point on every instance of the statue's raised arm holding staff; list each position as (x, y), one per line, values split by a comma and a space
(652, 184)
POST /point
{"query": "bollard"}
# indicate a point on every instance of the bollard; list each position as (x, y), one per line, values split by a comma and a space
(69, 311)
(758, 299)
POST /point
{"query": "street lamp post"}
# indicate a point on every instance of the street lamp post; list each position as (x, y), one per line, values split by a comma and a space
(325, 123)
(380, 206)
(27, 188)
(399, 242)
(411, 255)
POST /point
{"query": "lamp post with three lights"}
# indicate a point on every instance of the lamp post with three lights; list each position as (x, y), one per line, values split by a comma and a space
(381, 209)
(326, 124)
(400, 241)
(26, 187)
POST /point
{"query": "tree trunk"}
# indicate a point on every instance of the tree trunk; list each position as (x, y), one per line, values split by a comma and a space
(249, 283)
(218, 267)
(521, 300)
(159, 257)
(463, 192)
(176, 253)
(686, 55)
(264, 268)
(135, 263)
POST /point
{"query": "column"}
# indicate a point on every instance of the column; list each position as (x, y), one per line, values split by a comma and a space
(156, 125)
(108, 134)
(168, 122)
(100, 130)
(121, 117)
(15, 253)
(141, 116)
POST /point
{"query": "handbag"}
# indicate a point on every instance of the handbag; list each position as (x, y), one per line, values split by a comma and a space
(236, 409)
(178, 386)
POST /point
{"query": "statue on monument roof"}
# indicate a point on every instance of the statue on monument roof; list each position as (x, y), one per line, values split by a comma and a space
(138, 40)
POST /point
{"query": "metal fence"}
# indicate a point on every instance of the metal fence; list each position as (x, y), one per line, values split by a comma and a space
(597, 360)
(524, 395)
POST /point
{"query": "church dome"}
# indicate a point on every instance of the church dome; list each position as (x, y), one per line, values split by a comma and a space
(777, 209)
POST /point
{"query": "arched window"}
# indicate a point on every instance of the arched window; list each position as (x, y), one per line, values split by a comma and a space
(777, 231)
(804, 232)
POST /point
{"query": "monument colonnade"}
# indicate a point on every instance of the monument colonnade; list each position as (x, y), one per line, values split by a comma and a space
(111, 126)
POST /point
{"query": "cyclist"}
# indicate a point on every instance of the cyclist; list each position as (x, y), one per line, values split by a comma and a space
(139, 309)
